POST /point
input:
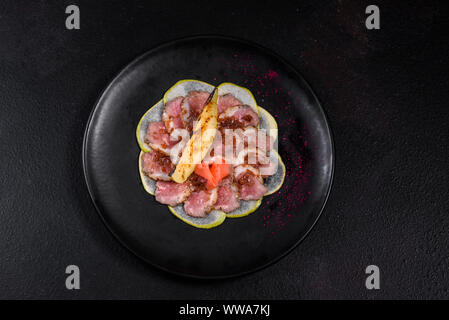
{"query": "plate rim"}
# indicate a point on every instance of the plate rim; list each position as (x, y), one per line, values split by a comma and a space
(142, 56)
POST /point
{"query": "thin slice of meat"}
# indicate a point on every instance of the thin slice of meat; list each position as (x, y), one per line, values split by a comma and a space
(228, 180)
(157, 165)
(192, 106)
(200, 203)
(256, 138)
(238, 117)
(232, 140)
(197, 183)
(249, 182)
(226, 101)
(243, 169)
(234, 145)
(228, 196)
(249, 137)
(252, 156)
(172, 193)
(216, 150)
(158, 138)
(172, 114)
(268, 169)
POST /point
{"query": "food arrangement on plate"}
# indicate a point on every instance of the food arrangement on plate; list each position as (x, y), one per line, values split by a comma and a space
(209, 152)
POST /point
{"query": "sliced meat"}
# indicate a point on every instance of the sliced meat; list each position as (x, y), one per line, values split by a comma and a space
(172, 193)
(172, 115)
(216, 150)
(268, 169)
(252, 156)
(256, 138)
(244, 168)
(240, 146)
(197, 183)
(227, 180)
(183, 136)
(233, 143)
(157, 165)
(192, 106)
(238, 117)
(226, 101)
(249, 182)
(200, 203)
(158, 138)
(228, 196)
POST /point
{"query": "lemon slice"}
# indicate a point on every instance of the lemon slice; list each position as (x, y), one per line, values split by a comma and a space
(275, 182)
(246, 207)
(213, 219)
(153, 114)
(148, 184)
(241, 93)
(268, 123)
(183, 87)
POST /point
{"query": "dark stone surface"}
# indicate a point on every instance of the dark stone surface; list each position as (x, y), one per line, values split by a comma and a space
(385, 93)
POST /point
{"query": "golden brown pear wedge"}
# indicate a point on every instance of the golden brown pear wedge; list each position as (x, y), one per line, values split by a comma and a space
(197, 147)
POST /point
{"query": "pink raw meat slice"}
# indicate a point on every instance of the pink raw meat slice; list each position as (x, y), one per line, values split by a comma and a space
(200, 203)
(172, 115)
(228, 196)
(257, 138)
(172, 193)
(158, 138)
(156, 165)
(238, 117)
(227, 100)
(268, 169)
(250, 182)
(192, 106)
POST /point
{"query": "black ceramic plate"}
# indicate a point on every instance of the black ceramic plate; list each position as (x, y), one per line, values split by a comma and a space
(239, 245)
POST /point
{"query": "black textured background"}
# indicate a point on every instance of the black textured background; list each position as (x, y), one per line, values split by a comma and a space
(385, 93)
